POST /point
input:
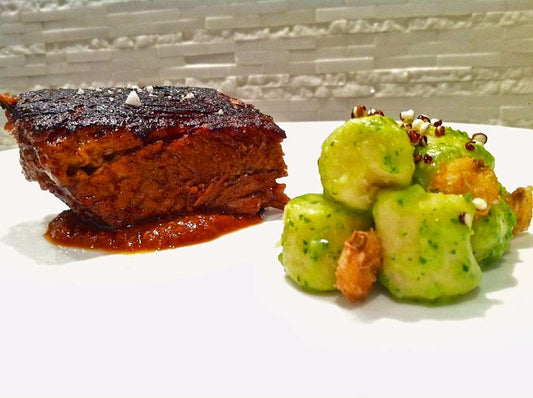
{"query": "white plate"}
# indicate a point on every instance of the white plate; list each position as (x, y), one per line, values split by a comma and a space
(220, 318)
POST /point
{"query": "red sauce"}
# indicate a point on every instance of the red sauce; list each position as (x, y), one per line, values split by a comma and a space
(67, 229)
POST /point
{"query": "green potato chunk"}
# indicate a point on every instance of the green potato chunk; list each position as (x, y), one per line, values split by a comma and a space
(314, 232)
(427, 253)
(452, 145)
(363, 156)
(493, 233)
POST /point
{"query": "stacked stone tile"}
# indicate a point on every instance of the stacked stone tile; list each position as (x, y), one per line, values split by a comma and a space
(460, 60)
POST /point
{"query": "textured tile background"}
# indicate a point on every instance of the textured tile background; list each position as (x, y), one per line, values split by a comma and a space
(460, 60)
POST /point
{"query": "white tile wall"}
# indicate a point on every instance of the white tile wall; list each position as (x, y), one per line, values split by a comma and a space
(461, 60)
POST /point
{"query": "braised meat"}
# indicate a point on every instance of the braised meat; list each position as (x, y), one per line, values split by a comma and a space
(120, 156)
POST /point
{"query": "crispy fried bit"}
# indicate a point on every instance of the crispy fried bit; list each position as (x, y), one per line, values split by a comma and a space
(521, 202)
(7, 99)
(468, 175)
(358, 265)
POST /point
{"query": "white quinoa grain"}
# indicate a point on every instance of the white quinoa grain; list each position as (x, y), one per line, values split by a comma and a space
(407, 116)
(480, 204)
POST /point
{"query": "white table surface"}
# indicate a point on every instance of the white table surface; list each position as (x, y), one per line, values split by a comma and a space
(220, 318)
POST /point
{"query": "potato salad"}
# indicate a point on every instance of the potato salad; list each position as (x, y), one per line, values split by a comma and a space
(411, 204)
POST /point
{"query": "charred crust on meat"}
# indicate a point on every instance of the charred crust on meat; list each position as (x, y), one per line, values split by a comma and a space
(63, 111)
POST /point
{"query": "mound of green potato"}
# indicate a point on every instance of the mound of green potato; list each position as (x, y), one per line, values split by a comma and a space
(443, 149)
(315, 229)
(363, 156)
(374, 176)
(427, 253)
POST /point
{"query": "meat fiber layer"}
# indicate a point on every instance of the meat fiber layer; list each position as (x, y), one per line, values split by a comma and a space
(183, 150)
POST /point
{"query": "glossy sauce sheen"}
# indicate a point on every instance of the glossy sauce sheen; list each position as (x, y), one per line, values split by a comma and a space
(67, 229)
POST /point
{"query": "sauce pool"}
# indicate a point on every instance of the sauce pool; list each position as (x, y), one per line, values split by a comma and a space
(68, 229)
